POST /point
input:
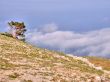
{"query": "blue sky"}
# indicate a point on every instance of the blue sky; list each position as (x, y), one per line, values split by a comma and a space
(79, 27)
(76, 15)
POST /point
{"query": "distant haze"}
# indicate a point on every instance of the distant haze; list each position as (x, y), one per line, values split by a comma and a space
(92, 43)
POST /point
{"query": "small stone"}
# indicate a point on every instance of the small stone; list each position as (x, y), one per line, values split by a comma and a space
(97, 79)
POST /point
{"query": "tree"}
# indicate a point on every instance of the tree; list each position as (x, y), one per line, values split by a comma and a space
(17, 30)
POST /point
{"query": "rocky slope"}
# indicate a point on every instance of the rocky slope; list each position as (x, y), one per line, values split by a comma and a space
(21, 62)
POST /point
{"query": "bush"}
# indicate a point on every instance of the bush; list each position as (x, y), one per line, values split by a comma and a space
(7, 34)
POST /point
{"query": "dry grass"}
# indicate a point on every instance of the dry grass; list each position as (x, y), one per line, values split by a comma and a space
(104, 63)
(20, 57)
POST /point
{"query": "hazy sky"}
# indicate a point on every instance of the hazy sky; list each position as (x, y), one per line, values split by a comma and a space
(77, 15)
(80, 27)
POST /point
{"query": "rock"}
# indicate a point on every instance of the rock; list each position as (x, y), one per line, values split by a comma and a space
(97, 79)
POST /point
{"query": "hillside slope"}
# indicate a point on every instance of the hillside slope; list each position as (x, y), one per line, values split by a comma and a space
(21, 62)
(103, 62)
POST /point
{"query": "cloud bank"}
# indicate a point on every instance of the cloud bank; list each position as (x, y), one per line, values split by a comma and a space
(93, 43)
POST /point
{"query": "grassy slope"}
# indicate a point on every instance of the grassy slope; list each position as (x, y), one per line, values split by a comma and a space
(17, 55)
(104, 63)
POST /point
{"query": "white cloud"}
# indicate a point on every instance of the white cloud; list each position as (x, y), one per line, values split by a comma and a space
(48, 28)
(93, 43)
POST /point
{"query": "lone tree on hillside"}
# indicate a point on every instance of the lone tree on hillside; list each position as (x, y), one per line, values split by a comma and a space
(17, 30)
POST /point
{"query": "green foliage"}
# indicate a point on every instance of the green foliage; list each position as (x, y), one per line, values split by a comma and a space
(17, 24)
